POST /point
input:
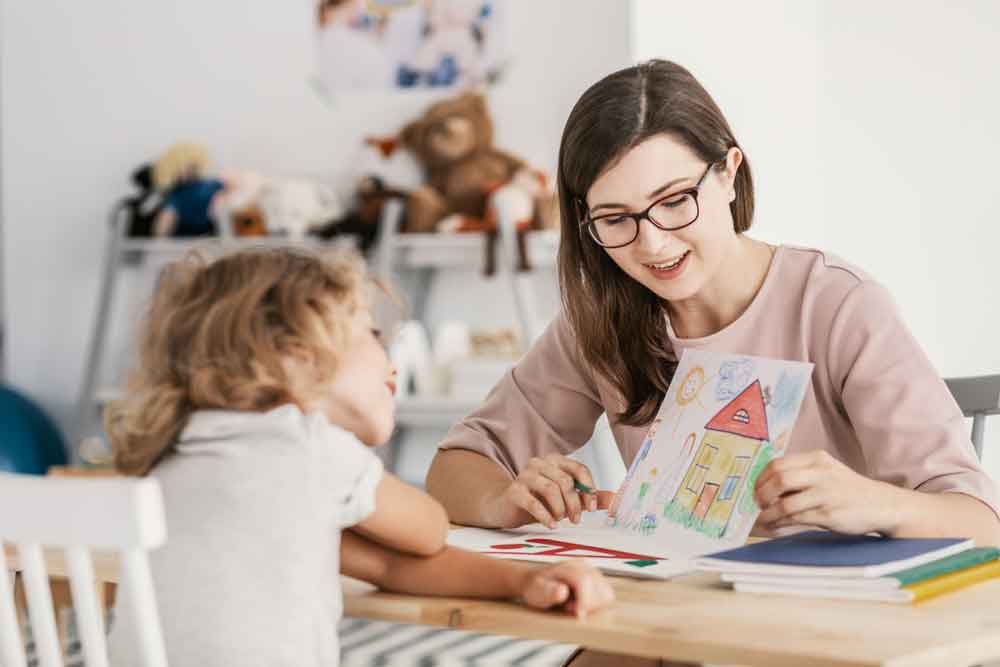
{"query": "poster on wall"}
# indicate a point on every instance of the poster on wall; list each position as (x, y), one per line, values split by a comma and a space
(393, 45)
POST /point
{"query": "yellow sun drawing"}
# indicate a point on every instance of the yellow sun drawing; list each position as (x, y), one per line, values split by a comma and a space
(688, 392)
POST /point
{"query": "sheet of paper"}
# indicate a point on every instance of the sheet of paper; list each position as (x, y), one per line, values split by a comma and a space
(724, 417)
(591, 539)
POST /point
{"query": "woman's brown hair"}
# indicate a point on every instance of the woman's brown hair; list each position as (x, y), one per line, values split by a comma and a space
(620, 325)
(218, 334)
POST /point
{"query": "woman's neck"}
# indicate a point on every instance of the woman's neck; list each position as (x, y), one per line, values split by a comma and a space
(722, 300)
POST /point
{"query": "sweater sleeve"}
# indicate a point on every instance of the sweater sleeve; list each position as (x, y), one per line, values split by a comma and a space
(911, 430)
(548, 403)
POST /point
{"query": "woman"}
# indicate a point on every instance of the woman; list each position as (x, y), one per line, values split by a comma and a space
(657, 197)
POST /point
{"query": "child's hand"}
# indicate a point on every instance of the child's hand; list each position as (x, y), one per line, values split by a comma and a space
(577, 587)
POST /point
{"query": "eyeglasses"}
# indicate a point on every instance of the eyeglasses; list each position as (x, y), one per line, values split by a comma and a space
(673, 212)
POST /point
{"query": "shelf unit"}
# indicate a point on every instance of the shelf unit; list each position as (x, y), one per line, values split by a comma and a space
(418, 256)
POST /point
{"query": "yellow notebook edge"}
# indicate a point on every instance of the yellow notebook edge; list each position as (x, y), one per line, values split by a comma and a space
(954, 581)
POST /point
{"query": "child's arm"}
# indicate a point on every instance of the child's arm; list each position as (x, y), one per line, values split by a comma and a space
(405, 519)
(577, 587)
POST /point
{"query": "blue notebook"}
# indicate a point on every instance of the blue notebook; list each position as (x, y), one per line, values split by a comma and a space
(822, 553)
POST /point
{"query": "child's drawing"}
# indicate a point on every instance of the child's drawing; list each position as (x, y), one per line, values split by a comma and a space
(697, 489)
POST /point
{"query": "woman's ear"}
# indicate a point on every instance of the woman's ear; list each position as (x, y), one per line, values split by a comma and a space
(734, 158)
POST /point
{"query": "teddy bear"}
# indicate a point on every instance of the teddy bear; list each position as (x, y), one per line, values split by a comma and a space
(469, 184)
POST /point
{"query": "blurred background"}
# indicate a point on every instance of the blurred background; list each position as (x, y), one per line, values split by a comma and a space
(871, 128)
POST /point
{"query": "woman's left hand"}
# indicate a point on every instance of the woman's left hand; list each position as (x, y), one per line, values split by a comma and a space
(815, 489)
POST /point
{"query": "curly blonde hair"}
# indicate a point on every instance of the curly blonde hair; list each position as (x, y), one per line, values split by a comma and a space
(218, 334)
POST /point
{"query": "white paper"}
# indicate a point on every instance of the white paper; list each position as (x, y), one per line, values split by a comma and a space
(590, 540)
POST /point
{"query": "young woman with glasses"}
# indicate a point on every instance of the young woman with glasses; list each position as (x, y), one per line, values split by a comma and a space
(657, 198)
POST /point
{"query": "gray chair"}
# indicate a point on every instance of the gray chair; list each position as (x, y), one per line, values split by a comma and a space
(979, 397)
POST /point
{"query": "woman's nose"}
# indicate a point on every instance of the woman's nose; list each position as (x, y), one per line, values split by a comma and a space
(651, 238)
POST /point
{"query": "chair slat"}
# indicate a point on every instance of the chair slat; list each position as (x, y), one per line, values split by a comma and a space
(11, 648)
(138, 580)
(89, 616)
(43, 621)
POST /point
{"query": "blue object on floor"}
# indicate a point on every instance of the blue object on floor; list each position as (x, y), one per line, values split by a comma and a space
(29, 440)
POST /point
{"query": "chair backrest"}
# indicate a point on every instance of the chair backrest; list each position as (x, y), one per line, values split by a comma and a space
(122, 515)
(979, 397)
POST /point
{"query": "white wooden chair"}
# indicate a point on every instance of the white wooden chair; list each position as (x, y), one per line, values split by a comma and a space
(122, 515)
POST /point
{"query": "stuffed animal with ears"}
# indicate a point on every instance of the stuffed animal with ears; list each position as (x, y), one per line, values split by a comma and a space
(295, 208)
(189, 198)
(470, 185)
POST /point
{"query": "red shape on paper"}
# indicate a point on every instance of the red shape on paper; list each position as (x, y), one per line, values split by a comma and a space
(745, 415)
(560, 548)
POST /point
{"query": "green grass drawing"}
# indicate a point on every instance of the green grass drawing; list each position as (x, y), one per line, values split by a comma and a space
(678, 514)
(764, 456)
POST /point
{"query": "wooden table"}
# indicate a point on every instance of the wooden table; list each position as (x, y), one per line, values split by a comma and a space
(695, 619)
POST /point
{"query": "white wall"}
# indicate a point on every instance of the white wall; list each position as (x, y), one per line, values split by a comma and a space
(92, 89)
(872, 128)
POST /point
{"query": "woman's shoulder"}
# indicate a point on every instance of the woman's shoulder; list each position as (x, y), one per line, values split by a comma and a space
(821, 278)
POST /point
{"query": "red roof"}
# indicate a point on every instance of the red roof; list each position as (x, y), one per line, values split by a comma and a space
(745, 415)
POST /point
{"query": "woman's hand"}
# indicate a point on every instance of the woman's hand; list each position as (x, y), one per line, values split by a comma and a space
(573, 585)
(815, 489)
(546, 492)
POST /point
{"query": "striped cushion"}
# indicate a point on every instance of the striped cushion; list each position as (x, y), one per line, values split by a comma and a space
(365, 643)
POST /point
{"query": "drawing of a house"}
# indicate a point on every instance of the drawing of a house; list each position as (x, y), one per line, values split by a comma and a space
(712, 483)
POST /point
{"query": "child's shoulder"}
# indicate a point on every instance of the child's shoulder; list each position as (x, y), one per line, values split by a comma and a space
(278, 430)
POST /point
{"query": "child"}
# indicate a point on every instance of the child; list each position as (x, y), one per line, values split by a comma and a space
(260, 389)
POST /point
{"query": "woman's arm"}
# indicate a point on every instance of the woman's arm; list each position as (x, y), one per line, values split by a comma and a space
(575, 586)
(815, 489)
(405, 519)
(506, 463)
(923, 478)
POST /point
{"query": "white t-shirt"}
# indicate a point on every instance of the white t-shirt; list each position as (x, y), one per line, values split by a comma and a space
(249, 575)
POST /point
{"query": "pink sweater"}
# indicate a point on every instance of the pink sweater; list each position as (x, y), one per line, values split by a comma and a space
(875, 401)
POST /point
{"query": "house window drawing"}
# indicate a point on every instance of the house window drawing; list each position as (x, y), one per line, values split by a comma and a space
(712, 484)
(736, 473)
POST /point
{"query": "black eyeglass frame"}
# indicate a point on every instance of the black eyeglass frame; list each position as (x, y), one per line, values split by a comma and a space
(590, 222)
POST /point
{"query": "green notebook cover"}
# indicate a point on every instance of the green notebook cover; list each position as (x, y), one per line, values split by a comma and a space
(959, 561)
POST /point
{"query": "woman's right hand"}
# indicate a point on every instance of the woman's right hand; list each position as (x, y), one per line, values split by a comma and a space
(545, 492)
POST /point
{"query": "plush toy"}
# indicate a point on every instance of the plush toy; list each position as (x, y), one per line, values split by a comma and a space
(362, 221)
(297, 207)
(189, 196)
(237, 207)
(142, 208)
(469, 184)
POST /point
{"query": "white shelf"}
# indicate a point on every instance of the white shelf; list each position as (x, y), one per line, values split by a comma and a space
(467, 249)
(180, 245)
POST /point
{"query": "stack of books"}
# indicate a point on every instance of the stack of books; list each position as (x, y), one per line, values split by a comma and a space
(854, 567)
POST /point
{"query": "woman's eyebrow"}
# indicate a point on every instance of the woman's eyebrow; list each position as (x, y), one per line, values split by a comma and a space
(654, 193)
